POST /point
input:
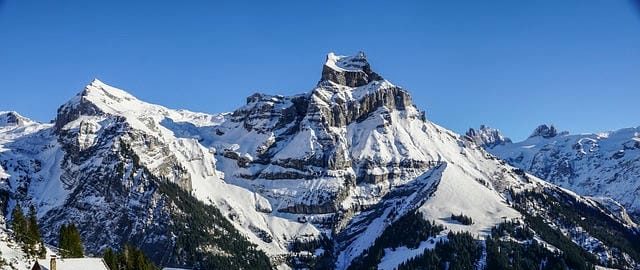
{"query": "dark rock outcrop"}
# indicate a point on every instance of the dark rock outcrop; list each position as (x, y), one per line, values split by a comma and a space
(545, 131)
(353, 71)
(341, 113)
(486, 137)
(69, 112)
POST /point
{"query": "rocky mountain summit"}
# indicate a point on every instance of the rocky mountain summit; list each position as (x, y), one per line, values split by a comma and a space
(487, 137)
(316, 180)
(545, 131)
(351, 71)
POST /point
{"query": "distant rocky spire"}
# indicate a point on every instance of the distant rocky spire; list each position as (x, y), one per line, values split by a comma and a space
(487, 137)
(544, 131)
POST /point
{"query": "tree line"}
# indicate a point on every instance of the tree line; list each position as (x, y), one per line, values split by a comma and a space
(129, 258)
(27, 231)
(70, 243)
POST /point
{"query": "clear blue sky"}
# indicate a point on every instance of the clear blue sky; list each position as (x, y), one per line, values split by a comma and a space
(509, 64)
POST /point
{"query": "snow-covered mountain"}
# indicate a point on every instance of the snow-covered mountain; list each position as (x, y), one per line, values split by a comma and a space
(603, 165)
(316, 180)
(109, 166)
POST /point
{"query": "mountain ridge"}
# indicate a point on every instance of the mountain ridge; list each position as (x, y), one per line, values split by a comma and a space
(306, 180)
(598, 164)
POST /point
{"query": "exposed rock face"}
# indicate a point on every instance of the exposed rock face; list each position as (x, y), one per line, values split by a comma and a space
(373, 172)
(112, 205)
(95, 184)
(487, 137)
(339, 110)
(72, 112)
(81, 123)
(305, 137)
(263, 112)
(352, 71)
(544, 131)
(326, 208)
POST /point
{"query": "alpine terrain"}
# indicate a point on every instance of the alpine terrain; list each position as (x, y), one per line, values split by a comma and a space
(349, 175)
(603, 165)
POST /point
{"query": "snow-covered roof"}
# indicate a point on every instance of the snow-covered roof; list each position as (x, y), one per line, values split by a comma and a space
(74, 264)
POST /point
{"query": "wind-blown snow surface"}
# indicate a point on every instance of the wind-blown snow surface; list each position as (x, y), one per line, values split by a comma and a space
(344, 160)
(600, 165)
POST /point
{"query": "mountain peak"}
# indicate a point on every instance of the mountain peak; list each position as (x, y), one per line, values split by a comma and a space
(487, 137)
(11, 118)
(352, 71)
(544, 131)
(97, 98)
(98, 88)
(347, 63)
(97, 82)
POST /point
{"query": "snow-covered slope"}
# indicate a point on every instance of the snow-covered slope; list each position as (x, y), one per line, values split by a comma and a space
(601, 165)
(341, 151)
(11, 254)
(89, 168)
(311, 178)
(341, 148)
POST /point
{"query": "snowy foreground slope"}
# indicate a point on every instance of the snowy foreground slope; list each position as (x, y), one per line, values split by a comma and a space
(11, 255)
(316, 180)
(603, 165)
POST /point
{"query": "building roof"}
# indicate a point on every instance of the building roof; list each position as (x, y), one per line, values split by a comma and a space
(74, 264)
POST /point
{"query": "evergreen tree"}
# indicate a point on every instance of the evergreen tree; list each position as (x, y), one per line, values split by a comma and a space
(19, 224)
(70, 242)
(27, 231)
(460, 252)
(111, 259)
(34, 238)
(130, 258)
(33, 231)
(464, 220)
(409, 230)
